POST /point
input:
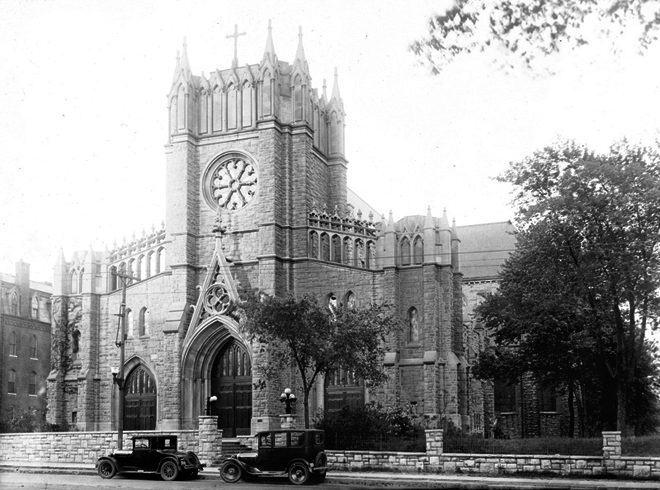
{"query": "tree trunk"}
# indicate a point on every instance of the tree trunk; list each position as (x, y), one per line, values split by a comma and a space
(571, 411)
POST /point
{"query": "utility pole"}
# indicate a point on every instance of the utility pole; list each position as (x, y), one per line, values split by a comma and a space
(119, 376)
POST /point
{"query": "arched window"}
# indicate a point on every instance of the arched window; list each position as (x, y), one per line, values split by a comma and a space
(131, 270)
(336, 249)
(333, 303)
(264, 95)
(405, 251)
(217, 109)
(360, 256)
(505, 397)
(314, 245)
(246, 99)
(12, 344)
(325, 247)
(34, 312)
(334, 134)
(33, 347)
(81, 274)
(181, 108)
(144, 267)
(113, 278)
(13, 303)
(232, 107)
(173, 103)
(418, 251)
(11, 382)
(413, 325)
(317, 127)
(32, 389)
(298, 99)
(348, 251)
(129, 322)
(160, 261)
(74, 282)
(151, 263)
(143, 322)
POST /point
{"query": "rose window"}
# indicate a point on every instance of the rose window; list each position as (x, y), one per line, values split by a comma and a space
(232, 183)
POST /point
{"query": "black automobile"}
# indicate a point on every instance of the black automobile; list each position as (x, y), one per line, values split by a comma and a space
(297, 453)
(151, 454)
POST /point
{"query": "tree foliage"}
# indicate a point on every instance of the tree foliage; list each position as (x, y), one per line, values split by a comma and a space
(530, 29)
(579, 294)
(316, 340)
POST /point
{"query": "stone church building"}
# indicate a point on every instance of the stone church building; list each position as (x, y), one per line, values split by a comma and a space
(257, 197)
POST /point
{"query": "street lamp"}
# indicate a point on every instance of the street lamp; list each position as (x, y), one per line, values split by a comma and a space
(209, 400)
(288, 399)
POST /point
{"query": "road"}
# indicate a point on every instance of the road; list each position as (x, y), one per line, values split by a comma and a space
(34, 481)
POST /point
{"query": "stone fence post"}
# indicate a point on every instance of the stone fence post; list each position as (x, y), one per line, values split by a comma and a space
(611, 444)
(210, 439)
(434, 444)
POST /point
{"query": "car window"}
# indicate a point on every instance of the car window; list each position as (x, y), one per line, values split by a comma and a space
(264, 440)
(319, 438)
(141, 444)
(168, 444)
(280, 439)
(297, 439)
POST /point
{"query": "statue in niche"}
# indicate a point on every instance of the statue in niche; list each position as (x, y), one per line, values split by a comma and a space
(413, 321)
(350, 301)
(75, 344)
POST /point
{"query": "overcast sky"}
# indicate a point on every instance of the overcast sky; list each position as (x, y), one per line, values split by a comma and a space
(83, 114)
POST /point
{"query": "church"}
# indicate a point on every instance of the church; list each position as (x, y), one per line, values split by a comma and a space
(257, 198)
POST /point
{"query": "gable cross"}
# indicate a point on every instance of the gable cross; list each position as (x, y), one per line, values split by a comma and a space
(235, 36)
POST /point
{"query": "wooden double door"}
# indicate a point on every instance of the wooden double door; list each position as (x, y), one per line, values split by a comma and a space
(231, 382)
(140, 403)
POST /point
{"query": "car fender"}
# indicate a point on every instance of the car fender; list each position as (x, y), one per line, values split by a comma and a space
(245, 467)
(298, 460)
(170, 458)
(117, 464)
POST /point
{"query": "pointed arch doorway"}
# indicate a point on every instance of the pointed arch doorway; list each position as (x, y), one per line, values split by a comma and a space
(140, 402)
(231, 382)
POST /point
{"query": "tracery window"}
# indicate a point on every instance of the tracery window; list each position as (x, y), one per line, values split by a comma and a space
(405, 251)
(314, 245)
(418, 251)
(35, 308)
(143, 322)
(246, 99)
(74, 282)
(217, 109)
(13, 304)
(298, 99)
(232, 106)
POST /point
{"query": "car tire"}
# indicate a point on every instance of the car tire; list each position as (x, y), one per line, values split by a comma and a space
(231, 472)
(169, 470)
(106, 469)
(298, 473)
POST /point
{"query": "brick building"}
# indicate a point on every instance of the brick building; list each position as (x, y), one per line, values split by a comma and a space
(256, 194)
(24, 343)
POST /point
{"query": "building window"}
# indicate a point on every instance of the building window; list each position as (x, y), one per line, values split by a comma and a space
(74, 282)
(33, 384)
(413, 325)
(113, 278)
(143, 322)
(13, 304)
(418, 251)
(33, 347)
(11, 384)
(547, 400)
(405, 252)
(12, 344)
(74, 417)
(35, 308)
(505, 397)
(129, 322)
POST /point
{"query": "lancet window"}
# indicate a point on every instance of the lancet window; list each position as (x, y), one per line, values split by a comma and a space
(418, 251)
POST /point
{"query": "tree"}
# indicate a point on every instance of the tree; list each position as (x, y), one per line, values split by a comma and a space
(581, 289)
(316, 340)
(531, 29)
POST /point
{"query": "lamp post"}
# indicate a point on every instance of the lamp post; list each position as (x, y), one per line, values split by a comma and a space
(209, 400)
(288, 398)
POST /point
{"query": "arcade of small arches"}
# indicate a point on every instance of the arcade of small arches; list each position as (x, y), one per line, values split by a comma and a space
(238, 104)
(356, 252)
(142, 267)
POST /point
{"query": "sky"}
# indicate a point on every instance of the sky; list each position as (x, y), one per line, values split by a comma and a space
(83, 114)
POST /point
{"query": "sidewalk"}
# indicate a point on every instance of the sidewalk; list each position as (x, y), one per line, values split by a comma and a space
(385, 479)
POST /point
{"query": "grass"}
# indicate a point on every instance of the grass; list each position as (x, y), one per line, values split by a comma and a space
(641, 446)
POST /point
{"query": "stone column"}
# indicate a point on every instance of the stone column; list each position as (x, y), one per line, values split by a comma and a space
(434, 444)
(611, 444)
(210, 439)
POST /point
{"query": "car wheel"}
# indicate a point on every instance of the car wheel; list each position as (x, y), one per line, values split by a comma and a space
(298, 474)
(169, 471)
(106, 469)
(231, 472)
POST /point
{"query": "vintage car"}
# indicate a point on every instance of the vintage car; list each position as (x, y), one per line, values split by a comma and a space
(297, 453)
(151, 454)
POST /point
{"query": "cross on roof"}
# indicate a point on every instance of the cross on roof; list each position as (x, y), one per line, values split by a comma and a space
(235, 36)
